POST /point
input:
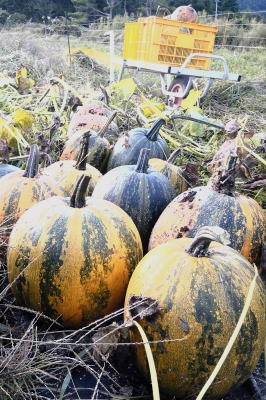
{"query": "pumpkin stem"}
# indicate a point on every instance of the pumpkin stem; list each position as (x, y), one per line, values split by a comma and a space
(78, 197)
(106, 125)
(205, 235)
(154, 129)
(143, 161)
(32, 166)
(83, 153)
(174, 155)
(223, 178)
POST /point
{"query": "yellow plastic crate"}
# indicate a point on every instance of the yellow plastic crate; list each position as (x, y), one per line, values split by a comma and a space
(130, 40)
(170, 42)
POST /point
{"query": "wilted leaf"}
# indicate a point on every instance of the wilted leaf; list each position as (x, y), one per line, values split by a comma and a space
(191, 99)
(231, 128)
(124, 88)
(21, 73)
(25, 83)
(190, 173)
(23, 119)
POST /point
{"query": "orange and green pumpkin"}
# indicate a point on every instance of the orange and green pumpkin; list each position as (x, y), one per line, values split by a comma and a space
(67, 172)
(94, 122)
(99, 147)
(22, 189)
(71, 258)
(127, 148)
(140, 191)
(241, 216)
(171, 171)
(200, 290)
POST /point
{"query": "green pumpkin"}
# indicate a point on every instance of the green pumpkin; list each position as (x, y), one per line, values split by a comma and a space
(140, 191)
(127, 148)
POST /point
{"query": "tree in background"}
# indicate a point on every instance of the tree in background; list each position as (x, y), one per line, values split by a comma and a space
(37, 10)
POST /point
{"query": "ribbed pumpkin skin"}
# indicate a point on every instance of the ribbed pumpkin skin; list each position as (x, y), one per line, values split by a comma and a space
(201, 300)
(241, 216)
(99, 149)
(143, 196)
(172, 172)
(19, 193)
(65, 173)
(94, 122)
(123, 154)
(83, 259)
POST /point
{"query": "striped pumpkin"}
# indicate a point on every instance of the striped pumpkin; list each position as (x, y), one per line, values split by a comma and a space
(99, 147)
(140, 191)
(82, 252)
(67, 172)
(200, 295)
(171, 171)
(127, 148)
(95, 122)
(21, 189)
(240, 215)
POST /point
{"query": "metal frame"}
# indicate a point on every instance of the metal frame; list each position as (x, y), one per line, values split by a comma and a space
(164, 70)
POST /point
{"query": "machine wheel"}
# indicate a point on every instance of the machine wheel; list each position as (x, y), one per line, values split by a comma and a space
(178, 85)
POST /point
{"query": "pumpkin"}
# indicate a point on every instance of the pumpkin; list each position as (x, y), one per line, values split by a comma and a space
(198, 290)
(66, 172)
(95, 122)
(82, 251)
(171, 171)
(140, 191)
(185, 14)
(7, 169)
(127, 148)
(98, 151)
(21, 189)
(241, 216)
(91, 109)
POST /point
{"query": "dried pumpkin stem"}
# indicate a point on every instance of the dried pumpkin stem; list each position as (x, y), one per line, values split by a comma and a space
(143, 161)
(82, 155)
(200, 245)
(32, 166)
(78, 197)
(154, 130)
(106, 125)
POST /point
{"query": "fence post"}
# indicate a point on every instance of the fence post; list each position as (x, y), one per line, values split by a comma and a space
(112, 46)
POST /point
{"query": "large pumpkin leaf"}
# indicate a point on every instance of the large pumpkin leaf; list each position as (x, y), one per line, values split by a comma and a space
(23, 119)
(124, 89)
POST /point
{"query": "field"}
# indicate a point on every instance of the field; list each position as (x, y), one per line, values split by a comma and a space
(39, 359)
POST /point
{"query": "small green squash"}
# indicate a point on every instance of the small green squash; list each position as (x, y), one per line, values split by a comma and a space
(140, 191)
(199, 289)
(127, 148)
(71, 258)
